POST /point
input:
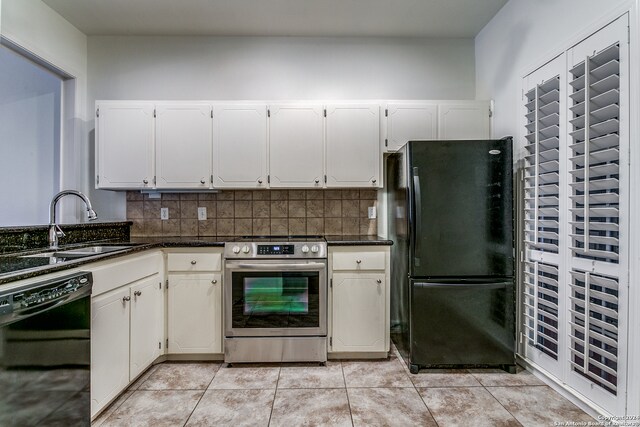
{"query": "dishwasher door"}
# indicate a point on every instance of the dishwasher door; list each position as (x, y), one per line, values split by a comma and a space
(45, 353)
(462, 323)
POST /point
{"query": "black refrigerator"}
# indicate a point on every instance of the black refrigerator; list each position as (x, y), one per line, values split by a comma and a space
(450, 215)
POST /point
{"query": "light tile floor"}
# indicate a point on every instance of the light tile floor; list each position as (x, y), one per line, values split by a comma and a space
(349, 393)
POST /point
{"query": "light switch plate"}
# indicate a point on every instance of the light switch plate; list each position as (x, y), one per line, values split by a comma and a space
(371, 212)
(164, 213)
(202, 213)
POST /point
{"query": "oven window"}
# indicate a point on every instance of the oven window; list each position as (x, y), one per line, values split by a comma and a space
(264, 295)
(275, 299)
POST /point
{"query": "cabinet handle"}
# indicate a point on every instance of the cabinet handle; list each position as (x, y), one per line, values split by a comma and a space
(125, 299)
(202, 181)
(358, 261)
(145, 182)
(378, 281)
(214, 281)
(193, 262)
(137, 293)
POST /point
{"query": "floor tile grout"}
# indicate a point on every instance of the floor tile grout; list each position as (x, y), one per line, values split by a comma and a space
(203, 393)
(275, 393)
(344, 378)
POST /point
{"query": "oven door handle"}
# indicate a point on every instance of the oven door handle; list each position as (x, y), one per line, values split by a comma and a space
(292, 266)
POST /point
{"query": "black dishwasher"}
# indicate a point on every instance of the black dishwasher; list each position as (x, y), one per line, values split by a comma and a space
(45, 352)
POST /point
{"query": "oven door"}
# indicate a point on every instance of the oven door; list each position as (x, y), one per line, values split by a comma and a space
(273, 298)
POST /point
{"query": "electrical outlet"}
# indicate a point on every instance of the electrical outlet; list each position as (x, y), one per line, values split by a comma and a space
(164, 213)
(371, 212)
(202, 213)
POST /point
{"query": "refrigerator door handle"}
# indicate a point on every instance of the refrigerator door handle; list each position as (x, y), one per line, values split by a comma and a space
(417, 215)
(460, 285)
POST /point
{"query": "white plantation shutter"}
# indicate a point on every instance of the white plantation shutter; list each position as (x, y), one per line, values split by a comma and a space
(541, 307)
(595, 147)
(576, 216)
(544, 169)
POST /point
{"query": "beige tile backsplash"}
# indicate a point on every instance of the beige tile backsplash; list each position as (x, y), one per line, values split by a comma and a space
(254, 212)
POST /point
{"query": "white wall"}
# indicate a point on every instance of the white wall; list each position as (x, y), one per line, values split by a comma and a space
(279, 68)
(36, 28)
(521, 35)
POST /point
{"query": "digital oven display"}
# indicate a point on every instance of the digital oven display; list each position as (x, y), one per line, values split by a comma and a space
(275, 249)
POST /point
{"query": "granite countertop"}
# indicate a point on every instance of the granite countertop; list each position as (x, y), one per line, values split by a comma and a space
(357, 240)
(15, 266)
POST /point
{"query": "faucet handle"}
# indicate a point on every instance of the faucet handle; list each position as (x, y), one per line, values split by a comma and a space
(59, 231)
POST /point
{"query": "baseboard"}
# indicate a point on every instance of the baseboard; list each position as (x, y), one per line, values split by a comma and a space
(357, 355)
(190, 357)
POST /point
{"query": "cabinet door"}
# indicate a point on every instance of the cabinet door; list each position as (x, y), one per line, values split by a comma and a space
(124, 138)
(195, 313)
(146, 324)
(353, 145)
(183, 145)
(464, 120)
(410, 122)
(296, 146)
(109, 347)
(359, 312)
(240, 146)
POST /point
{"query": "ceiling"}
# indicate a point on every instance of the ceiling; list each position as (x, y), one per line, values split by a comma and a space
(386, 18)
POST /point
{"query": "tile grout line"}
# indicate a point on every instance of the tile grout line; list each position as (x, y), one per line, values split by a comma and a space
(203, 393)
(404, 366)
(275, 392)
(496, 399)
(346, 390)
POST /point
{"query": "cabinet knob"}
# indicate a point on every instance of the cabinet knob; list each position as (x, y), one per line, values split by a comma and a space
(259, 181)
(358, 261)
(125, 299)
(378, 281)
(193, 262)
(374, 180)
(137, 293)
(317, 181)
(202, 181)
(145, 182)
(214, 281)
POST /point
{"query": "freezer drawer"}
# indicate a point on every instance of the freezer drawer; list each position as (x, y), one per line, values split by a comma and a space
(462, 323)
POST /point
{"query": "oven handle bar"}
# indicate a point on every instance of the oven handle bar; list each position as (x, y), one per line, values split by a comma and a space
(288, 266)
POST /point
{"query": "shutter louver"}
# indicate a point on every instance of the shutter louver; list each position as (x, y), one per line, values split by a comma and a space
(594, 328)
(595, 156)
(542, 166)
(541, 307)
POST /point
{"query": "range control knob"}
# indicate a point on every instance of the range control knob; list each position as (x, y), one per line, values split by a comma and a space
(236, 249)
(315, 249)
(246, 249)
(304, 249)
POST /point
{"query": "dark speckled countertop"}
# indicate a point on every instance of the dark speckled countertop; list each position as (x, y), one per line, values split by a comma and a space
(357, 240)
(14, 266)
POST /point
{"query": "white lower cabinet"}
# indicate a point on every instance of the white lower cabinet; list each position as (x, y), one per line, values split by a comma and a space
(126, 333)
(194, 301)
(109, 347)
(359, 322)
(195, 313)
(359, 300)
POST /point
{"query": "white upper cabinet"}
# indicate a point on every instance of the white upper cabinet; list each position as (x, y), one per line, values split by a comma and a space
(409, 122)
(296, 146)
(124, 138)
(464, 120)
(240, 146)
(353, 145)
(183, 145)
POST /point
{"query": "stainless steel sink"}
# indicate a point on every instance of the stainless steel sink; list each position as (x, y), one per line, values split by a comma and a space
(79, 252)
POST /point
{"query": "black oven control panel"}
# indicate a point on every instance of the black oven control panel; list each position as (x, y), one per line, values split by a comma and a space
(276, 249)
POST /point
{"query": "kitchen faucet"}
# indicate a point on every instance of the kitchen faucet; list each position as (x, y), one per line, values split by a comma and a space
(54, 230)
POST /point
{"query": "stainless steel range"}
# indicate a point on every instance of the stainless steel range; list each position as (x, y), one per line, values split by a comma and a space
(276, 299)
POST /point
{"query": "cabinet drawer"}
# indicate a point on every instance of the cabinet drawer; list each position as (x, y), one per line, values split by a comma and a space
(194, 262)
(359, 261)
